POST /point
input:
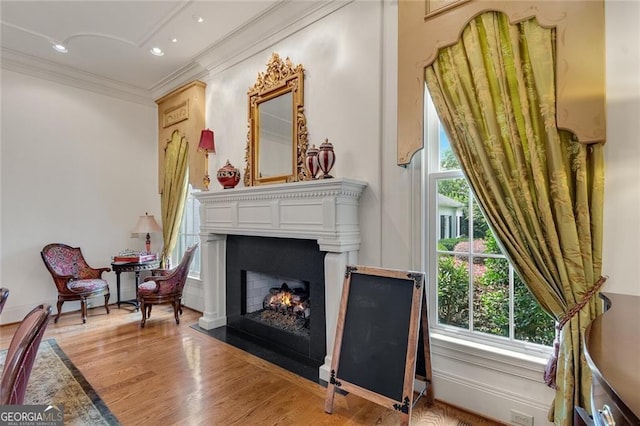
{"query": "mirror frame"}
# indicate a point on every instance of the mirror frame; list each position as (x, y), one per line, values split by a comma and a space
(280, 77)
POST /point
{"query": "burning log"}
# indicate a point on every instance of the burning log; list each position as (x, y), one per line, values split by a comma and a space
(287, 301)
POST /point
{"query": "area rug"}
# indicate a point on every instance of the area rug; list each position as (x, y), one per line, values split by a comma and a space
(55, 380)
(438, 414)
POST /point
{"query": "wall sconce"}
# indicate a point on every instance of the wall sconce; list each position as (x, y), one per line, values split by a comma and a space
(147, 224)
(207, 145)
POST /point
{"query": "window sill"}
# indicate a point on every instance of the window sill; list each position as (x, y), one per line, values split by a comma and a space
(529, 366)
(197, 281)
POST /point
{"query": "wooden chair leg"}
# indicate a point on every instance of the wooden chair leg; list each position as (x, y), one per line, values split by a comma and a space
(59, 305)
(176, 308)
(144, 314)
(106, 302)
(149, 310)
(83, 306)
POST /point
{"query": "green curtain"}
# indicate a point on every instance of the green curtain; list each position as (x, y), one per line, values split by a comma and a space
(174, 191)
(541, 191)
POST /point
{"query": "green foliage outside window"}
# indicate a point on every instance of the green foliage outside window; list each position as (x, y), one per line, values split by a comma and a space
(532, 323)
(449, 243)
(491, 298)
(453, 292)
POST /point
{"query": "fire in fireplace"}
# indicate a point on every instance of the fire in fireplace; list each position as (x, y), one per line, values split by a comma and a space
(293, 302)
(286, 307)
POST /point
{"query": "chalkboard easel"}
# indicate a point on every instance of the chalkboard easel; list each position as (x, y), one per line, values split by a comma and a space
(377, 338)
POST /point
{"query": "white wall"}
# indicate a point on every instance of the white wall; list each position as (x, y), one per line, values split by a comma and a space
(621, 256)
(342, 102)
(350, 97)
(77, 168)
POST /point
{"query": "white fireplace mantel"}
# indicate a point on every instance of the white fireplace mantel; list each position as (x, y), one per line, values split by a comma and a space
(325, 210)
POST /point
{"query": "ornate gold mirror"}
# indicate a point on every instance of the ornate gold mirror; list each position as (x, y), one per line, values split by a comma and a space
(277, 138)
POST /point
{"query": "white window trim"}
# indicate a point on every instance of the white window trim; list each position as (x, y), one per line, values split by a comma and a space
(520, 364)
(190, 276)
(459, 339)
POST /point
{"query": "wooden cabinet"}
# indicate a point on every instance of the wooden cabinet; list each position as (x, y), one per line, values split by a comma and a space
(612, 344)
(183, 110)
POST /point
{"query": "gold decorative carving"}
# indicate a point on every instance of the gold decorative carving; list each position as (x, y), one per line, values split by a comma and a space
(278, 72)
(303, 144)
(280, 80)
(176, 114)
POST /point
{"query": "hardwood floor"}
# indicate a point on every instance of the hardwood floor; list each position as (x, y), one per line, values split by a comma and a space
(174, 375)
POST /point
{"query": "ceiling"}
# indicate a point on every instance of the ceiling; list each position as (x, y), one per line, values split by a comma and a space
(110, 41)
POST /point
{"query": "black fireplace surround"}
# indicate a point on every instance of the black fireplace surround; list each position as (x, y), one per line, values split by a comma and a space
(288, 257)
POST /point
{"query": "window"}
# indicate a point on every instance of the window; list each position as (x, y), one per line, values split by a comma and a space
(189, 234)
(475, 290)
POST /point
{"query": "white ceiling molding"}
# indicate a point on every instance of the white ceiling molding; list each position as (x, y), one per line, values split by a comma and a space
(272, 26)
(188, 73)
(276, 23)
(47, 70)
(171, 15)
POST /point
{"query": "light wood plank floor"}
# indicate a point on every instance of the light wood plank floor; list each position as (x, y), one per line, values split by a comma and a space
(174, 375)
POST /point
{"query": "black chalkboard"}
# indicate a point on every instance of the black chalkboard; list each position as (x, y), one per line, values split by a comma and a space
(376, 340)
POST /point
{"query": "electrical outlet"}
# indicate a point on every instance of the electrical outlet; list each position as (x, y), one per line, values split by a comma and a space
(518, 418)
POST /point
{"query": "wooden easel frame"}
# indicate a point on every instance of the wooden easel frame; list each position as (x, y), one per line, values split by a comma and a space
(418, 316)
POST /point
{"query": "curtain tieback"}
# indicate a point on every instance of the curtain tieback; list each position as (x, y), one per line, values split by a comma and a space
(550, 369)
(578, 306)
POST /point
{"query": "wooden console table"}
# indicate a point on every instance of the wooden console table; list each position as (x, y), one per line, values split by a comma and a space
(136, 267)
(612, 343)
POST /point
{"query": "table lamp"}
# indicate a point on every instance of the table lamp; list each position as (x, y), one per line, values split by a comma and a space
(207, 145)
(147, 224)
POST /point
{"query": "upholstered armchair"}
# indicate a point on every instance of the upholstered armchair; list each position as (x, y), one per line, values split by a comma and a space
(74, 279)
(4, 293)
(165, 287)
(22, 354)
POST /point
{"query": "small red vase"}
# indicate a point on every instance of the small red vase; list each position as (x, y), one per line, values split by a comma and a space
(228, 176)
(311, 161)
(326, 158)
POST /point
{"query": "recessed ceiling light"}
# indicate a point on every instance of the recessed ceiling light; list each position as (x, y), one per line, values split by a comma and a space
(174, 40)
(198, 19)
(59, 47)
(156, 51)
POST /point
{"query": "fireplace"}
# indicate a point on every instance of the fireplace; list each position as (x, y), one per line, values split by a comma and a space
(285, 307)
(313, 227)
(260, 269)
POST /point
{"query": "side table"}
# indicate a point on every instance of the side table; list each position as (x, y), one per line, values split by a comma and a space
(136, 267)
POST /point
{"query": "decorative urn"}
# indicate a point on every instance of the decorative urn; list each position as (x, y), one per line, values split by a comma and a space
(311, 161)
(228, 176)
(326, 158)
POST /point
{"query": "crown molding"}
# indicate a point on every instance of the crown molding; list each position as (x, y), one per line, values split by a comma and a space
(273, 25)
(188, 73)
(48, 70)
(265, 30)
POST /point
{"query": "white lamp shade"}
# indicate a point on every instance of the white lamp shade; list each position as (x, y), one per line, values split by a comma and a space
(147, 224)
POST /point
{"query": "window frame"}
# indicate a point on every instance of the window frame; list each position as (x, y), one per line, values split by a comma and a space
(431, 174)
(192, 207)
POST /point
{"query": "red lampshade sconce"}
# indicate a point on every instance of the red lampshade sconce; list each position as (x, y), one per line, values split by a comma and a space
(207, 145)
